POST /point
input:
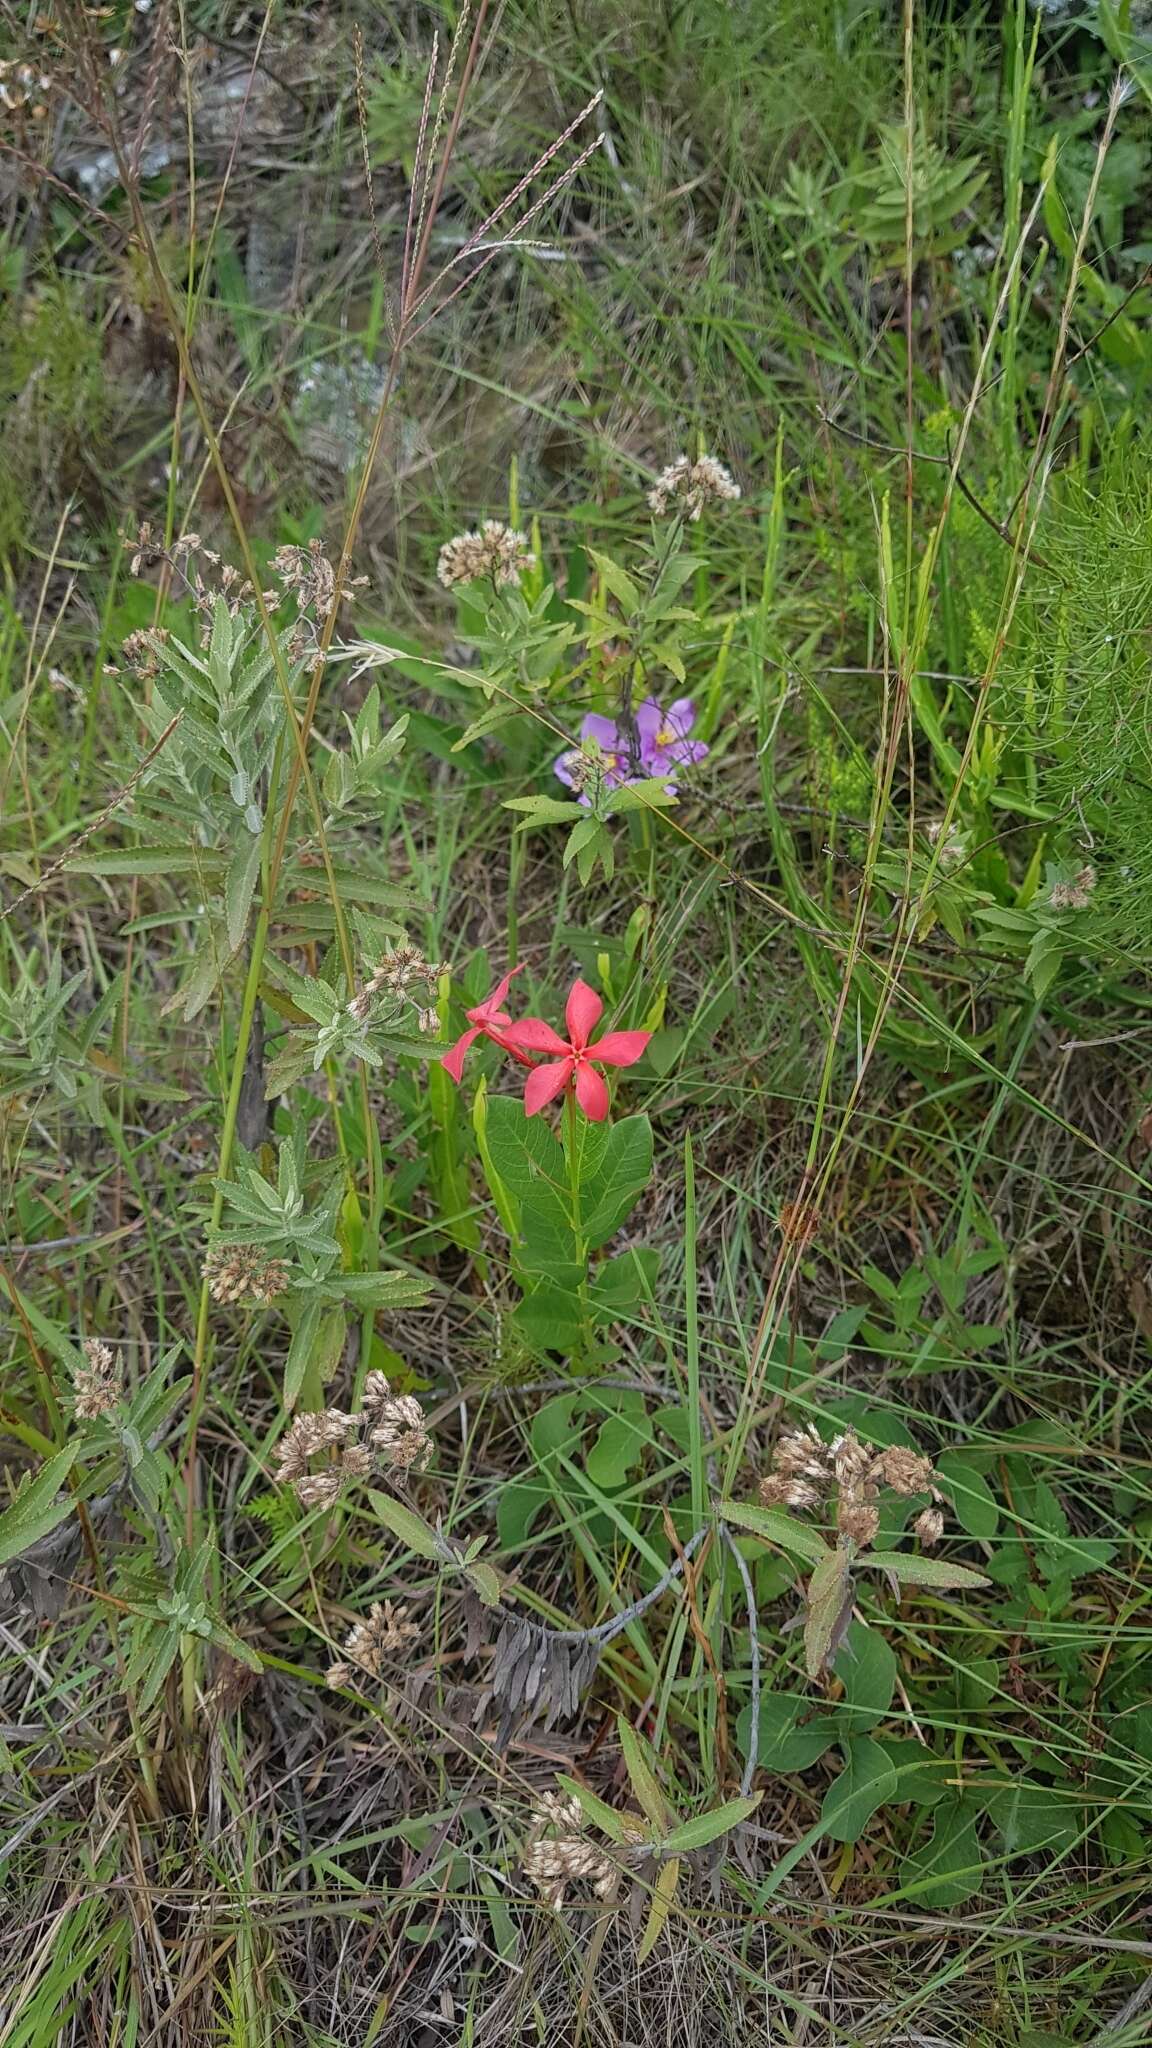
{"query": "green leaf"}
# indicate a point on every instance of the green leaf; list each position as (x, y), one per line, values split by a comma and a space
(607, 1195)
(776, 1527)
(542, 810)
(549, 1319)
(300, 1350)
(867, 1666)
(867, 1780)
(384, 1290)
(524, 1152)
(239, 885)
(611, 1823)
(663, 1899)
(788, 1742)
(913, 1570)
(706, 1827)
(487, 1583)
(35, 1512)
(1032, 1817)
(639, 1761)
(973, 1502)
(410, 1529)
(949, 1867)
(621, 1442)
(621, 585)
(829, 1588)
(920, 1775)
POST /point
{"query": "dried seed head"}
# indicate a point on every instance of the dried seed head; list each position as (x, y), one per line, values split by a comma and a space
(905, 1471)
(850, 1459)
(99, 1384)
(560, 1810)
(371, 1643)
(784, 1490)
(802, 1453)
(555, 1863)
(1074, 895)
(688, 486)
(306, 574)
(398, 1425)
(857, 1520)
(496, 551)
(929, 1526)
(310, 1436)
(243, 1272)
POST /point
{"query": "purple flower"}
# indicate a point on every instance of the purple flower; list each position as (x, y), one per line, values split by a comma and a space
(661, 745)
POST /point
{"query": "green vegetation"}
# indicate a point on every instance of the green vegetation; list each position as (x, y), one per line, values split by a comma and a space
(635, 1527)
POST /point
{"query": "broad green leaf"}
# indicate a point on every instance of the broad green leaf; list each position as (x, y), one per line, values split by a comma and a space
(615, 579)
(867, 1666)
(972, 1499)
(867, 1780)
(949, 1867)
(1032, 1817)
(828, 1589)
(384, 1290)
(239, 885)
(607, 1195)
(638, 1762)
(706, 1827)
(920, 1775)
(792, 1738)
(613, 1824)
(487, 1583)
(300, 1350)
(523, 1150)
(619, 1446)
(549, 1319)
(914, 1570)
(776, 1527)
(663, 1898)
(35, 1512)
(411, 1529)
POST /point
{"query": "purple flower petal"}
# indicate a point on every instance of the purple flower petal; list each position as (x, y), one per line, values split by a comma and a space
(681, 716)
(649, 719)
(603, 730)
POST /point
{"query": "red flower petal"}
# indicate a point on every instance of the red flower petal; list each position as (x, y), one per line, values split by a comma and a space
(499, 995)
(453, 1060)
(532, 1034)
(591, 1093)
(619, 1048)
(583, 1012)
(544, 1084)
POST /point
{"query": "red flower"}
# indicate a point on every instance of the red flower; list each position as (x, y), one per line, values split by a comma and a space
(488, 1020)
(572, 1061)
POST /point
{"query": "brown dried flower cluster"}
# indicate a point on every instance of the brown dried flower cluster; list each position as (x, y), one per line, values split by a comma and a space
(554, 1861)
(99, 1384)
(388, 1431)
(807, 1473)
(1076, 894)
(243, 1272)
(686, 487)
(369, 1644)
(396, 1425)
(497, 551)
(312, 1436)
(399, 971)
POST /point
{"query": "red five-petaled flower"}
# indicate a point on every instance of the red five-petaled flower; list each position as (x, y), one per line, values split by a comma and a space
(488, 1020)
(571, 1061)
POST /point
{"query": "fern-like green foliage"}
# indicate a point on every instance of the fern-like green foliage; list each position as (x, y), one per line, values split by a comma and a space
(1078, 688)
